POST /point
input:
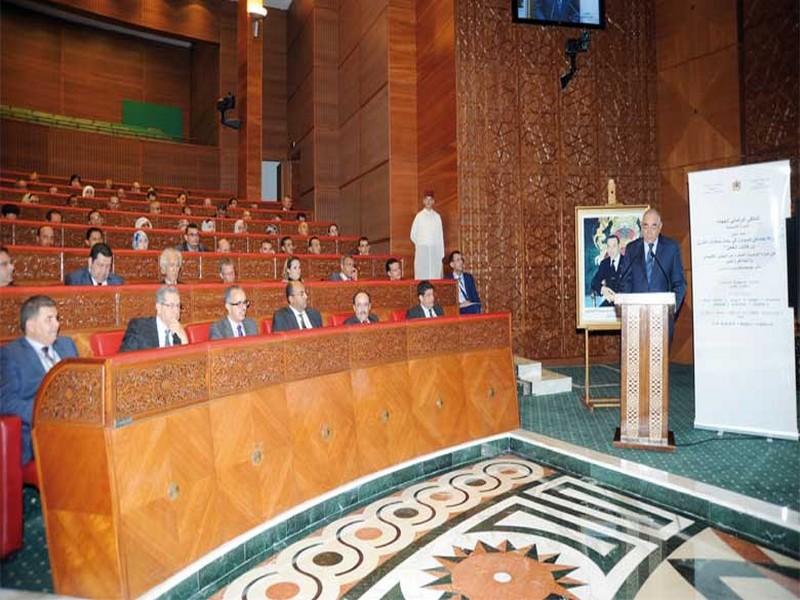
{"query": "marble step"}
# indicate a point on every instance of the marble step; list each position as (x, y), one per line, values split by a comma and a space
(527, 369)
(551, 383)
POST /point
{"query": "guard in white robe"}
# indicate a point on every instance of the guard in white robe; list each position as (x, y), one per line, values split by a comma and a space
(428, 238)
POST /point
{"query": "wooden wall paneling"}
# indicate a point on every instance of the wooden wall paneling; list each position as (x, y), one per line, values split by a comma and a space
(24, 145)
(250, 59)
(370, 10)
(374, 131)
(373, 57)
(165, 80)
(349, 150)
(228, 82)
(349, 33)
(348, 208)
(374, 204)
(204, 118)
(86, 564)
(275, 131)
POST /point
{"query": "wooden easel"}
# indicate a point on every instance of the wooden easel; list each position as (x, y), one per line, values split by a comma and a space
(590, 403)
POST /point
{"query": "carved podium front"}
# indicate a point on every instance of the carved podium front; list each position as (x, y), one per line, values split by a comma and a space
(644, 382)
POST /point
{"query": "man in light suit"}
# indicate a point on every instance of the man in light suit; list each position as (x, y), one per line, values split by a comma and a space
(469, 302)
(99, 270)
(652, 263)
(161, 331)
(25, 361)
(236, 324)
(347, 270)
(298, 315)
(362, 304)
(427, 307)
(606, 281)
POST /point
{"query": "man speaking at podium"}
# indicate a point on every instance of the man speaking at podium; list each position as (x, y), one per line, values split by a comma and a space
(652, 263)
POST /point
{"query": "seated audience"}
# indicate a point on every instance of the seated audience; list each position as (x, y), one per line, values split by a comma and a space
(333, 230)
(221, 212)
(223, 245)
(45, 236)
(239, 226)
(427, 307)
(207, 202)
(232, 203)
(136, 187)
(6, 268)
(266, 247)
(140, 240)
(88, 191)
(287, 245)
(301, 216)
(10, 211)
(170, 263)
(108, 183)
(181, 198)
(53, 216)
(247, 215)
(73, 201)
(227, 270)
(292, 270)
(363, 246)
(113, 203)
(191, 240)
(154, 208)
(34, 176)
(25, 361)
(94, 235)
(101, 259)
(30, 198)
(182, 225)
(302, 228)
(53, 189)
(95, 218)
(121, 193)
(314, 245)
(271, 229)
(394, 270)
(297, 315)
(75, 181)
(208, 226)
(347, 270)
(469, 302)
(21, 184)
(236, 324)
(143, 223)
(151, 195)
(161, 331)
(362, 305)
(187, 210)
(287, 202)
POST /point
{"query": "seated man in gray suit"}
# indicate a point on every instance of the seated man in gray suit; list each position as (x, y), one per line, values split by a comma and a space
(362, 304)
(236, 324)
(298, 315)
(427, 307)
(161, 331)
(98, 272)
(347, 272)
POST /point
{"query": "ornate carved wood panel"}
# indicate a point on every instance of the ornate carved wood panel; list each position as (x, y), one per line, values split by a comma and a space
(528, 153)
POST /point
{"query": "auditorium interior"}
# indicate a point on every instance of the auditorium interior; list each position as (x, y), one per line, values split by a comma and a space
(511, 452)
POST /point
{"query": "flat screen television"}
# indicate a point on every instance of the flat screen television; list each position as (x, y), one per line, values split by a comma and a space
(585, 14)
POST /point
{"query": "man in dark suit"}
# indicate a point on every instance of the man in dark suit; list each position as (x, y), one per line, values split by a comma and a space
(469, 302)
(427, 307)
(191, 240)
(298, 315)
(25, 361)
(161, 331)
(557, 10)
(362, 304)
(606, 281)
(236, 324)
(652, 263)
(98, 272)
(347, 269)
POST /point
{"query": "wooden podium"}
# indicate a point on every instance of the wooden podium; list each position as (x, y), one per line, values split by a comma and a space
(644, 382)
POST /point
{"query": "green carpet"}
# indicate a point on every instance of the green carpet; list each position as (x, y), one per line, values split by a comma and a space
(752, 466)
(29, 567)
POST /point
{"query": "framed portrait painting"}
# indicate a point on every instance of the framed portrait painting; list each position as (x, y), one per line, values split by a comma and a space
(601, 236)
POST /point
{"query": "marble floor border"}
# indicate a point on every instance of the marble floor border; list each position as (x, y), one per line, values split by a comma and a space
(765, 523)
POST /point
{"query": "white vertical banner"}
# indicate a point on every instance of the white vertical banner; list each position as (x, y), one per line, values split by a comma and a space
(744, 360)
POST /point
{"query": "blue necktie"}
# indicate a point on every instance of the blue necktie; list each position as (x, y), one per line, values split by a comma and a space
(239, 330)
(648, 263)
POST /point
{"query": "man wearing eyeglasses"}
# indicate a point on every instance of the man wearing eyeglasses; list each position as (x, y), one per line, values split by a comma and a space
(161, 331)
(236, 324)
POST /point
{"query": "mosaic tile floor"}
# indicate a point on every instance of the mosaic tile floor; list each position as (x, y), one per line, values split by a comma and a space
(507, 528)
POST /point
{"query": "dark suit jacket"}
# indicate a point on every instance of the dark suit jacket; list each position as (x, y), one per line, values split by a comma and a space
(471, 294)
(142, 334)
(284, 319)
(83, 277)
(222, 328)
(605, 272)
(183, 247)
(21, 373)
(337, 277)
(416, 312)
(667, 275)
(550, 11)
(352, 320)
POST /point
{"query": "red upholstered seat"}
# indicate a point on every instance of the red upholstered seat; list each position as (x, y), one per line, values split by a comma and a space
(266, 326)
(338, 319)
(106, 343)
(398, 315)
(198, 332)
(10, 484)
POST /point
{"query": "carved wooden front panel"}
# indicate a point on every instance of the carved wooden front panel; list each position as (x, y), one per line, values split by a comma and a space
(528, 153)
(74, 394)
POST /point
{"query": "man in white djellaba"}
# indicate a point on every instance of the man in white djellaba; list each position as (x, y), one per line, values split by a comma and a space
(426, 233)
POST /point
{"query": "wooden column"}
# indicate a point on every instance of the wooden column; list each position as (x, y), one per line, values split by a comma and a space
(250, 61)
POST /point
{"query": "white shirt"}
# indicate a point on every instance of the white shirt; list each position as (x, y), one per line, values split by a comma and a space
(235, 328)
(301, 316)
(37, 346)
(95, 282)
(162, 332)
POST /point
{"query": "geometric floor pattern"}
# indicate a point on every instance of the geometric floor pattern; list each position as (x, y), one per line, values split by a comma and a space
(507, 528)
